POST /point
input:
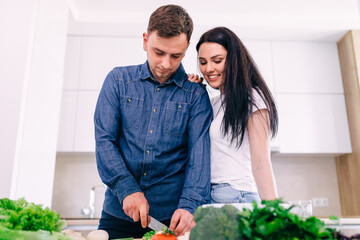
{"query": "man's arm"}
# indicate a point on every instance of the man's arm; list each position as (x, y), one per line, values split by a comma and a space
(196, 189)
(111, 166)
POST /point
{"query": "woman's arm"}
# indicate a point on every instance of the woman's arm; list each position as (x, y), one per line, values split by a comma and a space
(259, 137)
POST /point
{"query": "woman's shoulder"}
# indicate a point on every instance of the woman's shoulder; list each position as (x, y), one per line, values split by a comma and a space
(215, 99)
(258, 100)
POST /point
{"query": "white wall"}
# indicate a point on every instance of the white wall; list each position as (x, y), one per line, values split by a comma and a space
(297, 178)
(304, 177)
(34, 57)
(16, 23)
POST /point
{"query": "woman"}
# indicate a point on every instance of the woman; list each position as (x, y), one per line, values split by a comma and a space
(245, 119)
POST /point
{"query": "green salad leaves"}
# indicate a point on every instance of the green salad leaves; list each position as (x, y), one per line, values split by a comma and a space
(22, 220)
(21, 215)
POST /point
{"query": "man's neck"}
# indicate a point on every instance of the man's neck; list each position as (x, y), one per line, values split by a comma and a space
(162, 81)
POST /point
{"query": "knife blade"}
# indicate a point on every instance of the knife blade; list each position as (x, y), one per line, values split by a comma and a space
(155, 224)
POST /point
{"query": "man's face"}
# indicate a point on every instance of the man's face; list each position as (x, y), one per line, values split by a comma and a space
(164, 54)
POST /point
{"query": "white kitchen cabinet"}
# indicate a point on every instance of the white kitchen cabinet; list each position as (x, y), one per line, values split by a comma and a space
(261, 52)
(84, 139)
(67, 121)
(313, 123)
(306, 67)
(76, 130)
(304, 76)
(100, 55)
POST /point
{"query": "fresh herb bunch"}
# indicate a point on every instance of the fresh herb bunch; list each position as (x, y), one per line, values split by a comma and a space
(21, 215)
(276, 222)
(270, 221)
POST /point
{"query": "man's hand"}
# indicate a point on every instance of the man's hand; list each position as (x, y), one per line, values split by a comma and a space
(182, 221)
(137, 208)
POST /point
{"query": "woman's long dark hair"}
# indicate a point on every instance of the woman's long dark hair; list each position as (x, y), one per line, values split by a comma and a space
(242, 76)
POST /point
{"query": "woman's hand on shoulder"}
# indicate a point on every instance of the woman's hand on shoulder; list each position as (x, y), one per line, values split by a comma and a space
(195, 78)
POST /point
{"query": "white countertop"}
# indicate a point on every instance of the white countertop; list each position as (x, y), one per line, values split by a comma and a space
(342, 221)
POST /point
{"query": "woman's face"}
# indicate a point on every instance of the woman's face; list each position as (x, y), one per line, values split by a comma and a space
(212, 58)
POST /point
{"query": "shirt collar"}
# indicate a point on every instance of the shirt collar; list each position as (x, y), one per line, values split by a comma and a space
(178, 78)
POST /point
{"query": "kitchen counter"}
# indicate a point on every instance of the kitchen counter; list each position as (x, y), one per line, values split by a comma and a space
(82, 221)
(348, 226)
(342, 221)
(82, 225)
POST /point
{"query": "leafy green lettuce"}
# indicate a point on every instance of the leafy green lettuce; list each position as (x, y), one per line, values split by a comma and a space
(22, 220)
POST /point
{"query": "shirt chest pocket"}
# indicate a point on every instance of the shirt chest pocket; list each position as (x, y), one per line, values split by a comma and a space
(131, 109)
(176, 118)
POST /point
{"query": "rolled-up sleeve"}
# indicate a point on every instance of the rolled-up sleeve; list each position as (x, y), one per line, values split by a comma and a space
(110, 162)
(196, 189)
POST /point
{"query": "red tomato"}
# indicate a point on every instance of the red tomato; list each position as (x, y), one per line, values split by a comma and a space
(161, 236)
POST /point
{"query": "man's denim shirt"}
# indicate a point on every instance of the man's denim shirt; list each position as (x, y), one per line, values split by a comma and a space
(153, 138)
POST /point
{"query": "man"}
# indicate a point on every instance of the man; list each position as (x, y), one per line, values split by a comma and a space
(151, 130)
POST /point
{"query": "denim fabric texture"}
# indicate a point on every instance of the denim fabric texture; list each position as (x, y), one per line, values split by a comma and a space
(224, 193)
(153, 138)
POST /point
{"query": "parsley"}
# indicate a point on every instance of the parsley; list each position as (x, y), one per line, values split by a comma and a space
(271, 222)
(148, 235)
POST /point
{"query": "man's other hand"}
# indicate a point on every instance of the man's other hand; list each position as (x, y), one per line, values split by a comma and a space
(137, 208)
(182, 221)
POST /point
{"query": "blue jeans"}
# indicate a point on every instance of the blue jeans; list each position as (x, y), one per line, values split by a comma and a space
(224, 193)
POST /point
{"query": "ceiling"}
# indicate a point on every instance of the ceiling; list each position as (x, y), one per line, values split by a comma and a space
(312, 20)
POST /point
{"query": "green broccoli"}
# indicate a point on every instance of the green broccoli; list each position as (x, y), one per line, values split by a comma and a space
(270, 221)
(216, 223)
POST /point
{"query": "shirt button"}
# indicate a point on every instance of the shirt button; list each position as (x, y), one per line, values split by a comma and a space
(158, 89)
(148, 152)
(180, 106)
(145, 173)
(151, 131)
(154, 110)
(129, 99)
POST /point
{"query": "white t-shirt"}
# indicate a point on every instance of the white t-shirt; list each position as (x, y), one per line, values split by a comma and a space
(230, 164)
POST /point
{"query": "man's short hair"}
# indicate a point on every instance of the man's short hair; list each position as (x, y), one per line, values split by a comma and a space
(170, 21)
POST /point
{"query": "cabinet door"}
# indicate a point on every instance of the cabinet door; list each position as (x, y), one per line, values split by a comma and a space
(67, 121)
(303, 67)
(84, 130)
(310, 123)
(100, 55)
(261, 53)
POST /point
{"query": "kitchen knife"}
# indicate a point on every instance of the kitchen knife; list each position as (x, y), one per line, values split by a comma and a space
(155, 224)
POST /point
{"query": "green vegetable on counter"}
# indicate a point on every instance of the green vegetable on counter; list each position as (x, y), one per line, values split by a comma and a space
(270, 222)
(22, 220)
(148, 235)
(216, 223)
